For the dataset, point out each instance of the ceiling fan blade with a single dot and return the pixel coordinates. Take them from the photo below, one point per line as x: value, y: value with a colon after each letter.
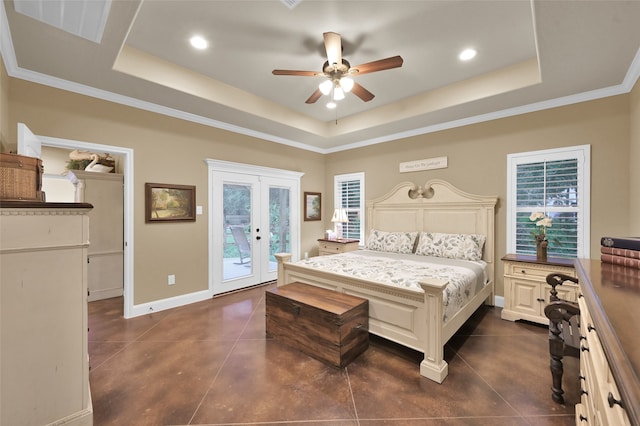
x: 333, y: 46
x: 294, y: 72
x: 379, y: 65
x: 314, y: 97
x: 362, y: 93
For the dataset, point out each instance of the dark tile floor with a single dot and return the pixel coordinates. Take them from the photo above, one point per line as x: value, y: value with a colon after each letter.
x: 210, y: 363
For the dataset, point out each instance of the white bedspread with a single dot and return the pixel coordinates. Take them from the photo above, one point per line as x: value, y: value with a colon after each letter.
x: 405, y: 270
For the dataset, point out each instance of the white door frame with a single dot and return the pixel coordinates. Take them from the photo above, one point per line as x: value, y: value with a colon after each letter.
x: 127, y: 167
x: 215, y: 215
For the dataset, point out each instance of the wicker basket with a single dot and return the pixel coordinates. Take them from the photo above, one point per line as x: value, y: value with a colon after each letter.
x: 20, y: 177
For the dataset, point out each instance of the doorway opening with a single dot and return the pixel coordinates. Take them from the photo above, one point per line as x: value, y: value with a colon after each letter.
x: 127, y: 170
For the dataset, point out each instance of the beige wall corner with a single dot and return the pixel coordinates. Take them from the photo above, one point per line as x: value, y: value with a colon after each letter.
x: 634, y: 162
x: 4, y: 107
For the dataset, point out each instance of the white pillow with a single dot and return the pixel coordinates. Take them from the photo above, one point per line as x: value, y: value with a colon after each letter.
x: 395, y: 242
x: 452, y: 246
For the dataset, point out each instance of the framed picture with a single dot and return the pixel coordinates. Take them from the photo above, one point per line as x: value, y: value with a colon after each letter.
x: 169, y: 203
x: 312, y: 206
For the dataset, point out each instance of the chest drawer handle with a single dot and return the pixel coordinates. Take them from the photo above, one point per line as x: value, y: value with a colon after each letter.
x: 523, y: 271
x: 583, y: 418
x: 590, y: 328
x: 540, y: 299
x: 584, y: 349
x: 612, y: 401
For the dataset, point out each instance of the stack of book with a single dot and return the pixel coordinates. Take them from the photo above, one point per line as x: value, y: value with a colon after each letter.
x: 621, y: 251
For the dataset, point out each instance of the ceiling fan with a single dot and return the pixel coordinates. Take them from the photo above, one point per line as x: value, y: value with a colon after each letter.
x: 338, y: 72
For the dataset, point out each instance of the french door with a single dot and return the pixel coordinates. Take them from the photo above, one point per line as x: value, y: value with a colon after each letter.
x: 254, y: 214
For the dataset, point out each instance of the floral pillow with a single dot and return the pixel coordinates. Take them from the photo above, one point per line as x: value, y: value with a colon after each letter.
x: 453, y: 246
x: 395, y: 242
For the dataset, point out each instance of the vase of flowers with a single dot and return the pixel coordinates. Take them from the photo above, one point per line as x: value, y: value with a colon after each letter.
x: 540, y: 233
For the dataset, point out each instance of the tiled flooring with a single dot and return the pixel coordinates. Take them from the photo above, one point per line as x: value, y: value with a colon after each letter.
x: 210, y: 363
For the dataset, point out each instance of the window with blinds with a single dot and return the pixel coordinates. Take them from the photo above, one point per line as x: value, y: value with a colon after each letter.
x: 349, y: 195
x: 551, y: 182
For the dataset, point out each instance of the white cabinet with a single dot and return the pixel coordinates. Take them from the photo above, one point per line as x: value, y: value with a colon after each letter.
x: 106, y: 252
x: 526, y: 291
x: 43, y: 279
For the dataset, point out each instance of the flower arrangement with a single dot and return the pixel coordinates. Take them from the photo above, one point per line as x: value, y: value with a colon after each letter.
x: 543, y: 222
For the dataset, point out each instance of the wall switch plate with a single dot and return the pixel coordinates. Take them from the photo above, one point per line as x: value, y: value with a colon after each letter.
x: 198, y: 209
x: 171, y: 279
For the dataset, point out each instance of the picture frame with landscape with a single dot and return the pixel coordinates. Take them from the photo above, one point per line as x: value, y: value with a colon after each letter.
x: 169, y: 203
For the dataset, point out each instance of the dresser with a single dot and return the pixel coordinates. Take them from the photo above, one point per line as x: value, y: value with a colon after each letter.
x: 343, y: 245
x: 43, y: 279
x: 526, y: 291
x: 609, y: 302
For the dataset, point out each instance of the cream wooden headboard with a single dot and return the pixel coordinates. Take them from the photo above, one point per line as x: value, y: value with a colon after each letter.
x: 437, y: 206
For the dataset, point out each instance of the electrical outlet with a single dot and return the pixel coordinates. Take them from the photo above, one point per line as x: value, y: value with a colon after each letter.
x: 171, y: 279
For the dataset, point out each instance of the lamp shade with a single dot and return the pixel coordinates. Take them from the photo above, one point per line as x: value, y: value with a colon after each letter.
x: 340, y: 216
x: 325, y: 87
x: 346, y: 83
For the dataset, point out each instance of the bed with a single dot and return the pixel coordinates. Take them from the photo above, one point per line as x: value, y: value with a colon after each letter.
x: 414, y: 312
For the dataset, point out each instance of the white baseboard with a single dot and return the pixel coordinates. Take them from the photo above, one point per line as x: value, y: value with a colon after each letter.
x: 172, y: 302
x: 498, y: 301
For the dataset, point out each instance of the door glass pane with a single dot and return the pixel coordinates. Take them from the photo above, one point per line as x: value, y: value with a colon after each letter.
x: 279, y: 224
x: 237, y: 230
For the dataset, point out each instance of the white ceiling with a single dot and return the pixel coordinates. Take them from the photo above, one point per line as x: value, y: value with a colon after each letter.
x: 531, y: 55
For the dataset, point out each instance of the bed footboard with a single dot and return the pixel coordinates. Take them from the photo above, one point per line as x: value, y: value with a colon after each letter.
x: 408, y: 317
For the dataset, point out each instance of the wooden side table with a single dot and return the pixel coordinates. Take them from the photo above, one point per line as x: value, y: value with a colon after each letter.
x: 526, y: 291
x: 342, y: 245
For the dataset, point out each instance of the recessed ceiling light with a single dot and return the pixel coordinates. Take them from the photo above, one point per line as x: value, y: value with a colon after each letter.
x: 199, y: 42
x: 467, y: 54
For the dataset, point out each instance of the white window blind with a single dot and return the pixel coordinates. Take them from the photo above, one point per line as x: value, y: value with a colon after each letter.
x: 556, y: 183
x: 349, y: 195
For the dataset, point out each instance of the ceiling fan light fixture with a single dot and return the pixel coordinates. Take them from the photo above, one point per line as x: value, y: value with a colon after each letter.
x: 338, y: 94
x: 346, y: 83
x: 331, y: 105
x: 325, y: 87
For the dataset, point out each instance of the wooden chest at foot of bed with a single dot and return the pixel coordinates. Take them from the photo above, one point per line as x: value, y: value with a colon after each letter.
x: 324, y: 324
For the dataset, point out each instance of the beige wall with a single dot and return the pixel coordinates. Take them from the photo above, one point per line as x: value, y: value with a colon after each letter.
x: 477, y: 160
x: 166, y: 150
x: 4, y: 107
x: 634, y: 162
x: 171, y: 150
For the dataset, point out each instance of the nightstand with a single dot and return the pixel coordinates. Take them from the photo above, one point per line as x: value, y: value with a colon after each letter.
x: 526, y: 291
x: 342, y: 245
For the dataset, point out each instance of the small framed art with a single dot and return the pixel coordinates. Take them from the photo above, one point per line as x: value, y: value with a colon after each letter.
x: 169, y: 203
x: 312, y: 206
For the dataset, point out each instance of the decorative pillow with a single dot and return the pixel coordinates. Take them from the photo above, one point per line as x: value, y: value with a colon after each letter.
x: 396, y: 242
x: 453, y: 246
